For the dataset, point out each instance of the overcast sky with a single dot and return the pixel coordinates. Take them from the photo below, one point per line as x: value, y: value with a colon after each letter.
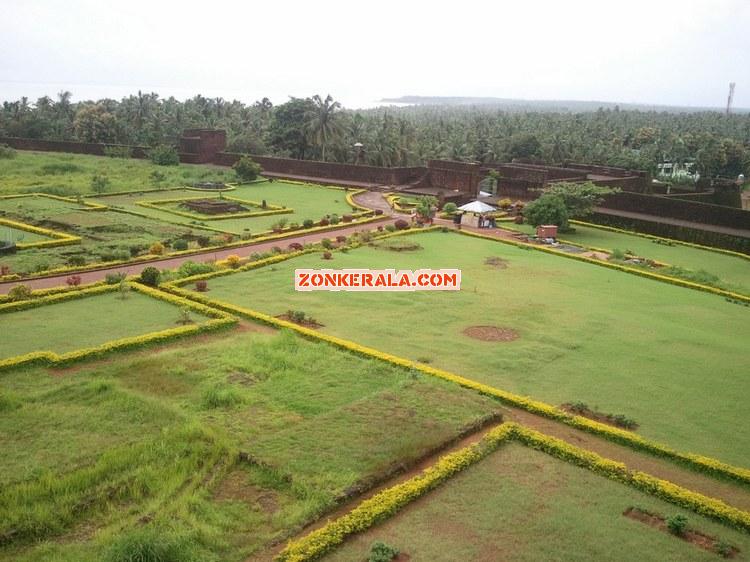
x: 674, y: 52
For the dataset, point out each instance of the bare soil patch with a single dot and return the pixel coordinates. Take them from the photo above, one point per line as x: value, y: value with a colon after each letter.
x: 235, y: 487
x: 696, y: 538
x: 491, y: 333
x: 496, y: 262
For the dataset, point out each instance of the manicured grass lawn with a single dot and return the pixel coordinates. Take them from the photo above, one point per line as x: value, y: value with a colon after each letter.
x: 105, y: 235
x: 68, y: 174
x: 733, y: 271
x: 308, y: 202
x: 85, y: 322
x: 672, y: 359
x: 520, y: 504
x: 150, y: 441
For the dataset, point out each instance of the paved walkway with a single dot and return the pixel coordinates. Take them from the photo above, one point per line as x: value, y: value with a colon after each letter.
x: 174, y: 262
x: 374, y: 200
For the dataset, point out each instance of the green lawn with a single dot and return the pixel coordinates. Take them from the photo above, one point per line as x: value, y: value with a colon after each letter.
x: 673, y: 359
x: 85, y: 322
x: 308, y: 202
x: 520, y: 504
x: 734, y: 272
x: 151, y: 440
x: 105, y: 235
x: 69, y: 174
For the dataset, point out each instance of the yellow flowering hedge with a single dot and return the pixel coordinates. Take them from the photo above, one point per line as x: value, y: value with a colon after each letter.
x: 58, y: 238
x: 391, y: 500
x: 218, y: 320
x: 156, y: 204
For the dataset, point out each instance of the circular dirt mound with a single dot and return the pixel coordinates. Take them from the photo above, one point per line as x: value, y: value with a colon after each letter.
x: 491, y: 333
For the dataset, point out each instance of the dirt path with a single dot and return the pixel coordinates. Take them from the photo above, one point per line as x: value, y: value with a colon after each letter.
x: 174, y: 262
x: 373, y: 200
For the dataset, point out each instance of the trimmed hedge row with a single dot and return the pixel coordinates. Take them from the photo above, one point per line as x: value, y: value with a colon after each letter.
x: 60, y: 238
x: 218, y: 320
x: 626, y: 269
x: 271, y: 209
x: 37, y: 293
x: 389, y: 501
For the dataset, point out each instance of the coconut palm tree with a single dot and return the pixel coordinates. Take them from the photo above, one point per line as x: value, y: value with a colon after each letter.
x: 322, y: 123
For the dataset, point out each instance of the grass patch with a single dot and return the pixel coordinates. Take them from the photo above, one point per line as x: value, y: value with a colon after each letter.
x: 520, y: 504
x: 668, y: 356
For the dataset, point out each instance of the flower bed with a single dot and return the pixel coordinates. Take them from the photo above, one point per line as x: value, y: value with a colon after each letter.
x: 159, y: 205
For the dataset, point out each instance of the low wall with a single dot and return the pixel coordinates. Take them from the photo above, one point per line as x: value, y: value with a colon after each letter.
x: 93, y: 148
x: 680, y: 209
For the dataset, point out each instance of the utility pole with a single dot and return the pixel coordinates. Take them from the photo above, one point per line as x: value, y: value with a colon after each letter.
x: 730, y: 98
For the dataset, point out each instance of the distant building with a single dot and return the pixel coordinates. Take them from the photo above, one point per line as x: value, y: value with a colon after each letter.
x: 678, y: 170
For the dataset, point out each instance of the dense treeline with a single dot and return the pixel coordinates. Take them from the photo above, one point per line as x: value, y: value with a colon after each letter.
x: 318, y: 128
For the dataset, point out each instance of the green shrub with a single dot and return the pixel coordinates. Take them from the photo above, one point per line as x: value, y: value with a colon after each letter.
x: 382, y: 552
x: 246, y: 169
x: 308, y: 223
x: 99, y: 183
x: 677, y: 524
x: 617, y: 254
x: 6, y: 152
x: 164, y: 155
x: 450, y: 208
x: 77, y: 260
x: 180, y: 244
x: 326, y: 243
x: 157, y: 177
x: 548, y: 209
x: 118, y: 151
x: 390, y: 228
x: 279, y: 225
x: 220, y: 397
x: 114, y: 278
x: 150, y: 545
x: 150, y: 276
x: 334, y: 219
x: 19, y: 293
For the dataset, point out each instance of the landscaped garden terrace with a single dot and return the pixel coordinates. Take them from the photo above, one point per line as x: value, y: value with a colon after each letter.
x: 665, y: 358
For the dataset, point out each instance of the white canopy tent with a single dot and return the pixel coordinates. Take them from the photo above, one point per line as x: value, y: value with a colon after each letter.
x: 473, y: 214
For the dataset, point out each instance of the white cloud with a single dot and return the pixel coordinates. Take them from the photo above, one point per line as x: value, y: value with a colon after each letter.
x: 667, y: 52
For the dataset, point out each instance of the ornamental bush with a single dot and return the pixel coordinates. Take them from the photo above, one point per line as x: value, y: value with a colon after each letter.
x: 180, y: 244
x: 308, y: 223
x: 382, y: 552
x: 156, y: 249
x: 335, y: 219
x: 190, y: 268
x: 150, y: 276
x: 401, y: 224
x: 114, y: 278
x: 340, y: 238
x: 233, y: 261
x: 327, y: 256
x: 19, y: 293
x: 326, y: 243
x: 324, y: 222
x: 295, y: 247
x: 677, y: 524
x: 164, y: 155
x: 201, y: 286
x: 548, y: 209
x: 246, y: 169
x: 450, y: 208
x: 347, y: 218
x: 73, y: 280
x: 77, y: 261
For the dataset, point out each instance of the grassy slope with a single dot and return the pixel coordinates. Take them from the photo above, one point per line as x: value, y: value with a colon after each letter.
x: 520, y: 504
x: 671, y: 358
x: 86, y: 322
x: 17, y: 235
x: 30, y: 172
x: 342, y: 418
x: 308, y: 202
x: 735, y: 272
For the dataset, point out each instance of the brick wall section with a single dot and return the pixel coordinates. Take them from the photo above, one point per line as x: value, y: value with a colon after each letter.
x: 96, y: 149
x: 329, y: 170
x: 678, y: 209
x: 463, y: 176
x: 200, y: 146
